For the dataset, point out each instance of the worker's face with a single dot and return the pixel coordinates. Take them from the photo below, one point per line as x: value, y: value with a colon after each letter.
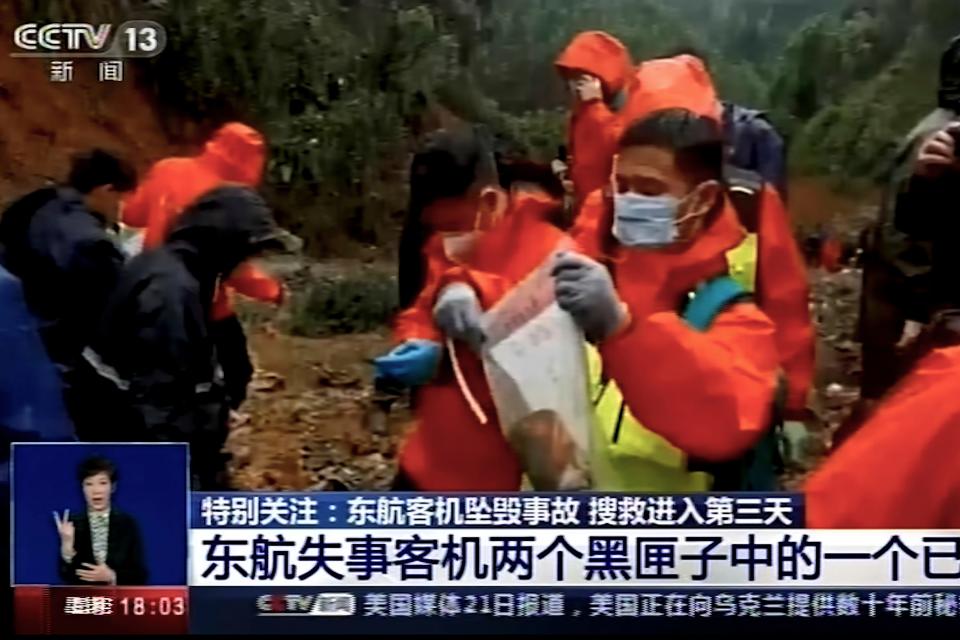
x: 97, y: 490
x: 652, y: 171
x: 105, y: 200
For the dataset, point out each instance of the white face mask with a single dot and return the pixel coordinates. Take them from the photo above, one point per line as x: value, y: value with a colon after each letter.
x: 648, y: 222
x: 458, y: 245
x: 645, y: 221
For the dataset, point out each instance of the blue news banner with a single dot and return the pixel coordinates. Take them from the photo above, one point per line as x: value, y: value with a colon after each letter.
x: 552, y: 563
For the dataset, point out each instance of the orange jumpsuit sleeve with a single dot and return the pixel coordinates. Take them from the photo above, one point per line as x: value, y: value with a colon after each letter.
x: 784, y: 295
x: 416, y: 321
x: 250, y: 281
x: 708, y: 393
x: 594, y: 132
x: 136, y: 206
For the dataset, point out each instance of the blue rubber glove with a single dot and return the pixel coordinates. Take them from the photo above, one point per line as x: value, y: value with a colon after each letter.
x: 412, y: 363
x: 457, y: 313
x: 585, y: 290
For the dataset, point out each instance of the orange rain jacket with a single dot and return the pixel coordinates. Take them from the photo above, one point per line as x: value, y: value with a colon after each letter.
x: 450, y: 449
x: 900, y: 470
x: 594, y: 128
x: 708, y: 393
x: 782, y: 290
x: 235, y: 153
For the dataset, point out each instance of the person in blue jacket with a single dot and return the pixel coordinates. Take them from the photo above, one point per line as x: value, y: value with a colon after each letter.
x: 56, y: 241
x: 31, y: 404
x: 752, y: 142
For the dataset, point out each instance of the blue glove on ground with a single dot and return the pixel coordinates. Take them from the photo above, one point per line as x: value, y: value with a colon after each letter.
x: 458, y: 313
x: 585, y: 290
x: 412, y: 363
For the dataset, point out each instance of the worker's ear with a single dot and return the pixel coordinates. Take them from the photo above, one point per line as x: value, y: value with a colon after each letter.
x: 703, y: 198
x: 493, y: 204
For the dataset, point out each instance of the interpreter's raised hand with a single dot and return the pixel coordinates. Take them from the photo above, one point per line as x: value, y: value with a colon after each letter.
x: 99, y: 572
x: 66, y: 530
x: 939, y: 151
x: 585, y: 290
x: 458, y: 314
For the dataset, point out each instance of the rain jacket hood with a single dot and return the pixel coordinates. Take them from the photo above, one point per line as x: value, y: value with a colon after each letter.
x: 223, y: 229
x: 237, y: 153
x: 601, y: 55
x: 681, y: 82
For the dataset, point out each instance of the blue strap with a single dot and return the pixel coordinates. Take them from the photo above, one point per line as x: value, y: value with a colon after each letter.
x: 710, y: 299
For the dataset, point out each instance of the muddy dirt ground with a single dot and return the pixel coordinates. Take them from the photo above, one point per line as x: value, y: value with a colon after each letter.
x: 303, y: 426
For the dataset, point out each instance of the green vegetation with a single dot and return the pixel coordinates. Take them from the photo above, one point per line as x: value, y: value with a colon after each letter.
x: 850, y: 86
x: 344, y: 89
x: 349, y: 304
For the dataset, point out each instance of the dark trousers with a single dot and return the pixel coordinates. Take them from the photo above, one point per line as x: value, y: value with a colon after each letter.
x: 403, y: 482
x: 234, y: 358
x: 880, y: 327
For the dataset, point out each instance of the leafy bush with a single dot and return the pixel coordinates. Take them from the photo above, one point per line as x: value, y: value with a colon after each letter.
x: 854, y: 140
x: 351, y: 304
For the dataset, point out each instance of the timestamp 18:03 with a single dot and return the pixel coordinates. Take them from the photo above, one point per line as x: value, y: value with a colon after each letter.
x: 162, y: 606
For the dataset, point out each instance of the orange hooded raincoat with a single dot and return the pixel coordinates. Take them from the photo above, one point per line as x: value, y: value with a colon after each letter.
x: 899, y: 471
x: 594, y: 128
x: 235, y: 153
x: 782, y: 290
x: 450, y: 449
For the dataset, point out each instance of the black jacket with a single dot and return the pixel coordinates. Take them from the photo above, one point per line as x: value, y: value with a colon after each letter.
x: 912, y: 246
x: 124, y: 550
x: 152, y: 368
x: 68, y: 265
x: 927, y: 210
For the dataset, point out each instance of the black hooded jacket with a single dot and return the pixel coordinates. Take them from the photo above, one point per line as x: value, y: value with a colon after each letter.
x: 68, y: 265
x: 153, y: 361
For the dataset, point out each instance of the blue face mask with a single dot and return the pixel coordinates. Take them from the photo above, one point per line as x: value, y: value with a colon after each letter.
x: 645, y: 221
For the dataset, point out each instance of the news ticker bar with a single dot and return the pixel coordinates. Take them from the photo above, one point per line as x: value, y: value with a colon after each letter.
x: 526, y: 558
x: 172, y: 610
x: 335, y: 510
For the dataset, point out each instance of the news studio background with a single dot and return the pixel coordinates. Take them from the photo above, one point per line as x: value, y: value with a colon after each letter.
x: 359, y: 390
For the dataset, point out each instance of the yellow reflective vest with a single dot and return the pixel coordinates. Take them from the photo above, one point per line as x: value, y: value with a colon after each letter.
x: 625, y: 456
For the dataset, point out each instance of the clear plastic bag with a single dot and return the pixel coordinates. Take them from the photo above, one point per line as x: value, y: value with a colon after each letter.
x: 536, y: 367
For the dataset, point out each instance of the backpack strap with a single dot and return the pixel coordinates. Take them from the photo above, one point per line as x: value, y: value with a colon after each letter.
x: 712, y: 297
x: 756, y: 470
x: 744, y: 189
